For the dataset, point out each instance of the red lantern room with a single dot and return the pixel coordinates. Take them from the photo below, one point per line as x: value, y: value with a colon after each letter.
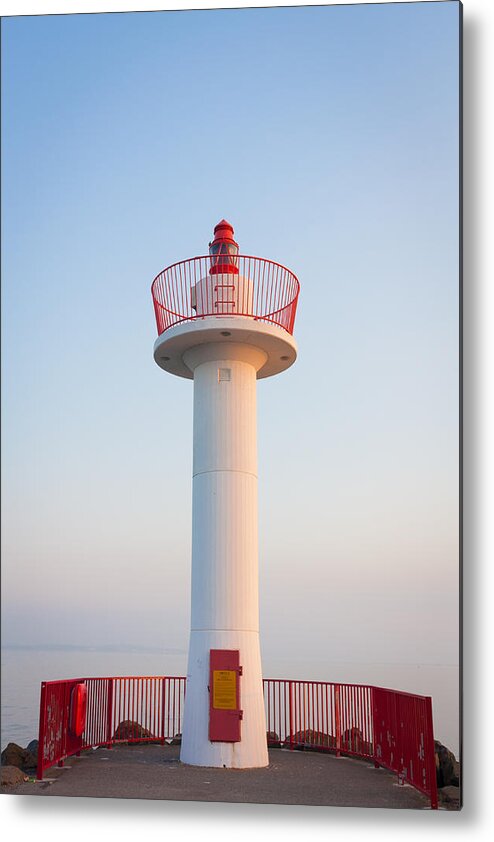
x: 223, y: 250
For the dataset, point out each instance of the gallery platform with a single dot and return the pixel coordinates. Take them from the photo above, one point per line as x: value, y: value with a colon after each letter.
x: 148, y: 771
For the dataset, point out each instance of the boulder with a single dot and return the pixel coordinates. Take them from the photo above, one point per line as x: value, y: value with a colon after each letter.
x: 450, y: 797
x: 132, y: 731
x: 310, y: 739
x: 11, y: 776
x: 353, y: 740
x: 14, y: 755
x: 33, y: 747
x: 273, y: 739
x: 456, y: 773
x: 447, y: 766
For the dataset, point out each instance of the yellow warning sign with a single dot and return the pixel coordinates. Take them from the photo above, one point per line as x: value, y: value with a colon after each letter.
x: 224, y: 689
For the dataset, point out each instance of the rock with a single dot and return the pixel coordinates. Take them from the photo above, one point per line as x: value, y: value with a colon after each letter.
x: 12, y: 776
x: 447, y: 766
x: 132, y: 731
x: 353, y: 740
x: 14, y: 755
x: 450, y: 796
x: 273, y: 739
x: 33, y: 747
x: 310, y: 739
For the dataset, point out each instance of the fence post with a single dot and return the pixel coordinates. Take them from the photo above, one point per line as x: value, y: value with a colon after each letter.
x: 374, y: 729
x: 163, y: 709
x: 337, y: 719
x: 431, y: 757
x: 291, y: 714
x: 65, y: 723
x: 41, y: 732
x: 109, y: 714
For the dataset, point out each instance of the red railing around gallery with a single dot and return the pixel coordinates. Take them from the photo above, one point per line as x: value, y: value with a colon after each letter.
x: 390, y: 728
x: 259, y: 289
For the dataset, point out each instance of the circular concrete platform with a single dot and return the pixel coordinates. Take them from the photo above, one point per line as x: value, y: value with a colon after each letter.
x: 292, y: 777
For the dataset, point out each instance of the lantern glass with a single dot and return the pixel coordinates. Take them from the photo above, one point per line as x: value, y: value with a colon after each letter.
x: 224, y: 253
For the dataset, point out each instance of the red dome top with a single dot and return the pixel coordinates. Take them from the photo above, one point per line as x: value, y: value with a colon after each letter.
x: 223, y: 232
x: 223, y: 224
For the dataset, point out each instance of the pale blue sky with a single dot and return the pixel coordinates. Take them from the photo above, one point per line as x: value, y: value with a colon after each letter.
x: 329, y: 138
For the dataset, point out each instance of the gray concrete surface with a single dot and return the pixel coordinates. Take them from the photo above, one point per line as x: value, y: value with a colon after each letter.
x: 292, y: 777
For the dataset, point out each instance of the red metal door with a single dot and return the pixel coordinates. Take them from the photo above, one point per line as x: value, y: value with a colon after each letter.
x: 224, y: 695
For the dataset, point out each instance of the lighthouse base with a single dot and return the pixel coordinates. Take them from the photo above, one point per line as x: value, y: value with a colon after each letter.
x: 197, y: 749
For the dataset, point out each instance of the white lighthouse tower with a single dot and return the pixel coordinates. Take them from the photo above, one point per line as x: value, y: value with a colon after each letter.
x: 225, y: 320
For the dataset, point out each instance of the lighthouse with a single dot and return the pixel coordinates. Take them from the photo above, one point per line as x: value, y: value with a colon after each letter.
x: 224, y: 321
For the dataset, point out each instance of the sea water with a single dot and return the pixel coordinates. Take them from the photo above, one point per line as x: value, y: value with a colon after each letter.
x: 23, y: 670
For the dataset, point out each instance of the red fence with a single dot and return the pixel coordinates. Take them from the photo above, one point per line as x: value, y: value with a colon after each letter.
x: 258, y: 288
x: 127, y: 709
x: 391, y: 728
x: 320, y: 715
x: 404, y: 738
